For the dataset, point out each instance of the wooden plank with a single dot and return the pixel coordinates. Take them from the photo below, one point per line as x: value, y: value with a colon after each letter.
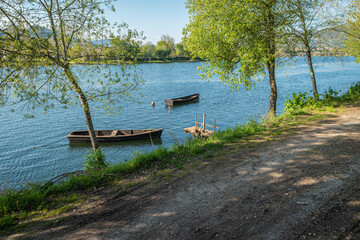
x: 211, y: 126
x: 114, y: 133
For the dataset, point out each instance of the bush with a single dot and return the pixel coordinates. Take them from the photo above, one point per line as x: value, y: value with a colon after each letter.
x: 299, y: 101
x: 352, y: 93
x: 329, y: 98
x: 95, y: 160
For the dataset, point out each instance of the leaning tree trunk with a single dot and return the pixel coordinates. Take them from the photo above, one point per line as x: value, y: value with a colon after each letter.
x: 85, y: 106
x: 312, y: 73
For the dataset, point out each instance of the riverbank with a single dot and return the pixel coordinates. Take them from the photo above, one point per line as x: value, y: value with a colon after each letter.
x: 202, y: 168
x: 121, y: 62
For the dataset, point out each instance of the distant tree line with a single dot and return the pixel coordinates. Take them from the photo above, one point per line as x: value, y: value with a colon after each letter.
x: 165, y: 49
x: 122, y: 48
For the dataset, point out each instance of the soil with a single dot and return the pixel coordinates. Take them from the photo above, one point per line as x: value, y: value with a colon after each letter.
x: 303, y: 185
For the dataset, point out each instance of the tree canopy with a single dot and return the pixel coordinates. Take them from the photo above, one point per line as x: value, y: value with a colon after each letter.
x: 238, y: 40
x: 37, y: 38
x: 162, y: 50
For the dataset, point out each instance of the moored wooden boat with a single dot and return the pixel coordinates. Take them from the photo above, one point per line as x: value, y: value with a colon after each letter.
x: 115, y: 135
x: 182, y: 100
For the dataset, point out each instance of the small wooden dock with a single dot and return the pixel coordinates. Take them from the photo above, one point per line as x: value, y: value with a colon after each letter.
x: 201, y: 130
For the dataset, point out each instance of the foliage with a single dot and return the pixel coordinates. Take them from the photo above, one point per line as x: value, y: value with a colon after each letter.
x: 330, y: 98
x: 169, y: 42
x: 165, y: 47
x: 210, y: 36
x: 94, y: 160
x: 124, y: 45
x: 299, y: 101
x: 148, y: 51
x: 238, y: 40
x: 162, y: 50
x: 352, y: 30
x: 33, y: 73
x: 37, y: 38
x: 181, y: 50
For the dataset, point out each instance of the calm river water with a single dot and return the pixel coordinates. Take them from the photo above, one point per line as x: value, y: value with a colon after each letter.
x: 37, y: 149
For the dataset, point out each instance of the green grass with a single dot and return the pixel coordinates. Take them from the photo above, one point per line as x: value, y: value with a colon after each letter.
x: 57, y: 198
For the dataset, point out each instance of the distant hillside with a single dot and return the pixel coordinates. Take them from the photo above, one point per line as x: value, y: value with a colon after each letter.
x: 104, y: 42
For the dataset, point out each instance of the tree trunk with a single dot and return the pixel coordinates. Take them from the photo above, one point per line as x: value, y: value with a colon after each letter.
x: 270, y: 63
x: 85, y: 106
x: 312, y: 73
x: 273, y: 88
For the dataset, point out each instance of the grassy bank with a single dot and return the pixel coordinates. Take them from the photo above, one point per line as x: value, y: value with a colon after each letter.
x: 39, y: 200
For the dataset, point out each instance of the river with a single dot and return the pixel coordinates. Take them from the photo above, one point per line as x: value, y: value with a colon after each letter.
x: 36, y: 149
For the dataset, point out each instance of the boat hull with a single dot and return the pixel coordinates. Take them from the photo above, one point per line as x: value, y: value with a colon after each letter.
x: 115, y: 135
x: 182, y: 100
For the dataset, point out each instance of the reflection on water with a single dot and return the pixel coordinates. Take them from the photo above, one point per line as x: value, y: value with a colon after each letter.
x: 180, y: 105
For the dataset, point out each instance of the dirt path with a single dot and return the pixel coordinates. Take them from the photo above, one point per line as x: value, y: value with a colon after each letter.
x: 306, y: 186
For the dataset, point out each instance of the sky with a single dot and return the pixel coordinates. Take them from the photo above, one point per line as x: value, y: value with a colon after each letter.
x: 154, y: 17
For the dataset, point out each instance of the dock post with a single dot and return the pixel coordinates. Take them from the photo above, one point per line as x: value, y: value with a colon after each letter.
x: 196, y: 123
x: 201, y: 131
x: 204, y: 122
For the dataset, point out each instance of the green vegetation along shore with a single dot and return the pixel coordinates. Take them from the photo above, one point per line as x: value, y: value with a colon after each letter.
x: 57, y: 197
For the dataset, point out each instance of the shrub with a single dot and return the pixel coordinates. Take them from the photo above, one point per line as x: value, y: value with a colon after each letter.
x: 299, y: 101
x: 329, y: 98
x: 95, y: 160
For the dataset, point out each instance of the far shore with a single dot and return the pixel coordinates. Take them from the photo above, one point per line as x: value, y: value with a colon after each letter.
x: 184, y: 60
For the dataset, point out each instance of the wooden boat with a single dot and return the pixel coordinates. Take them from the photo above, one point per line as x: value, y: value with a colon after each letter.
x: 182, y: 100
x: 115, y: 135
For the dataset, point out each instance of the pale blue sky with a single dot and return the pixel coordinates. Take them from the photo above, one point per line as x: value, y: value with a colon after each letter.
x: 154, y: 17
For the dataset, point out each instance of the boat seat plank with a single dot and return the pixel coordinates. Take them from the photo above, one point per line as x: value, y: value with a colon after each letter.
x: 114, y: 132
x: 127, y: 133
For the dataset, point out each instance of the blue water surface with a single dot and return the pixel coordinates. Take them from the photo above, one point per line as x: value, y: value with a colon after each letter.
x: 35, y: 150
